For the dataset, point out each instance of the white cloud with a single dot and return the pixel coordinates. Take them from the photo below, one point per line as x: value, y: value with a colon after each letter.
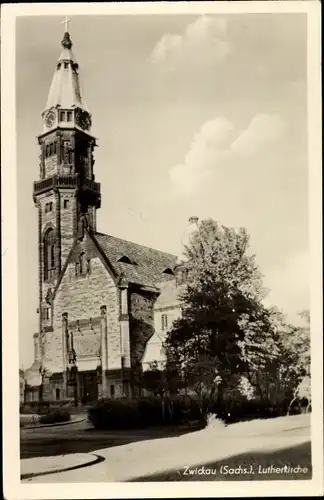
x: 202, y: 41
x: 262, y: 130
x: 289, y: 284
x: 216, y: 143
x: 208, y: 147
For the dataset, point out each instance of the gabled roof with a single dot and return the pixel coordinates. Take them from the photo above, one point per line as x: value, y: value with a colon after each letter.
x: 150, y: 263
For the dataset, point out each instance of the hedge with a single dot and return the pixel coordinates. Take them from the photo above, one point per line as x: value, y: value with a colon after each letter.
x: 151, y: 411
x: 144, y: 412
x: 54, y: 417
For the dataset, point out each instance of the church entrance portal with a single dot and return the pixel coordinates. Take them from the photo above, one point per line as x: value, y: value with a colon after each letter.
x: 88, y: 387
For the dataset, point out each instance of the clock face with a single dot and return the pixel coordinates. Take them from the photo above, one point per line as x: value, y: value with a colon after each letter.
x: 83, y: 119
x: 50, y: 119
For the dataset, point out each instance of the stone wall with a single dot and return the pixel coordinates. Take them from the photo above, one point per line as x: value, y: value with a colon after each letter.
x: 81, y: 296
x: 50, y: 166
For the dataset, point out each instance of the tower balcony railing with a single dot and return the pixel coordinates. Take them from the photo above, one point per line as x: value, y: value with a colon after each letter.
x: 65, y: 181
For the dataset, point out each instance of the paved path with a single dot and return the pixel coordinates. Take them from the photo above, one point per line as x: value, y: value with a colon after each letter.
x: 166, y: 458
x: 47, y: 465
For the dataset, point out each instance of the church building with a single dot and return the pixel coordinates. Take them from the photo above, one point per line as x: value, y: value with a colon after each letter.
x: 105, y: 304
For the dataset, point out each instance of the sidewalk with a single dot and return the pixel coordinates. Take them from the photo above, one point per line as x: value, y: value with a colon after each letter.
x: 42, y: 466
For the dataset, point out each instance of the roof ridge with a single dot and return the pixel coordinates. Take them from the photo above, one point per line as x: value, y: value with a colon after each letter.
x: 137, y: 244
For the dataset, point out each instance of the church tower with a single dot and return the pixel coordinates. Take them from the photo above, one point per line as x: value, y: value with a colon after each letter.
x: 66, y: 193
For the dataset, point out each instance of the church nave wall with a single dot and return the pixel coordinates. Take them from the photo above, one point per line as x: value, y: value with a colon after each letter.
x: 81, y: 297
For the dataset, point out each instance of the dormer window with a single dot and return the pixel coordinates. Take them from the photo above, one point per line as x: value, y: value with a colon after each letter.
x: 62, y: 116
x: 168, y: 271
x: 69, y: 116
x: 126, y: 260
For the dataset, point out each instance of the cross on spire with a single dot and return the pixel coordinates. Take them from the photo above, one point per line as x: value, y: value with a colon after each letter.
x: 66, y: 21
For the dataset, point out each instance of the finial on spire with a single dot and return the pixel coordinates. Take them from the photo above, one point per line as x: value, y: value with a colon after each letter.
x: 66, y: 21
x: 66, y: 42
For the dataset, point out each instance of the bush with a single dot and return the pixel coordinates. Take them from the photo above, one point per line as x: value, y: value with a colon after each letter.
x: 144, y: 412
x: 54, y: 417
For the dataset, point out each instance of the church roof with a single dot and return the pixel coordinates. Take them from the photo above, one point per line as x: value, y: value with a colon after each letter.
x: 147, y: 264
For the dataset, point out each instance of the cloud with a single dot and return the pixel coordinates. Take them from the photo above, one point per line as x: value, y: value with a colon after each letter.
x: 263, y: 129
x: 208, y: 147
x: 289, y: 284
x: 202, y: 41
x: 217, y: 143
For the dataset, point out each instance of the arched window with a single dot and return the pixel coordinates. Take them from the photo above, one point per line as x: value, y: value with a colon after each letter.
x: 49, y: 254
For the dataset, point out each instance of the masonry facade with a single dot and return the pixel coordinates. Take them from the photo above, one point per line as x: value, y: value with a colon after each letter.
x: 105, y: 304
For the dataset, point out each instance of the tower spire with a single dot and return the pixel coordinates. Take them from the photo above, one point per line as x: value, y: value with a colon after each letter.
x: 65, y: 106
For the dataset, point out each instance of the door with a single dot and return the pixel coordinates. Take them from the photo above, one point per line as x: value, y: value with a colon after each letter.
x: 89, y: 387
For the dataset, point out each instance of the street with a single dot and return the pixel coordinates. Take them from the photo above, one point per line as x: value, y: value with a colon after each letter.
x: 81, y: 438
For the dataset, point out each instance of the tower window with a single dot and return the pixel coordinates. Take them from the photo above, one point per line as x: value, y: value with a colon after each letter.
x: 66, y: 65
x: 69, y: 116
x: 50, y: 149
x: 164, y: 321
x: 66, y: 203
x: 49, y: 254
x: 112, y: 390
x: 62, y: 116
x: 88, y: 266
x: 59, y: 65
x: 48, y: 207
x: 46, y: 313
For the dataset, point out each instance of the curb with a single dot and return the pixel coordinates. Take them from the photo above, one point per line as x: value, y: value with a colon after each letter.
x: 70, y: 422
x: 95, y: 459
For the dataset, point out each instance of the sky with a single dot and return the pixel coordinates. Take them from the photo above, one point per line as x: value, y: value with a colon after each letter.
x: 194, y: 115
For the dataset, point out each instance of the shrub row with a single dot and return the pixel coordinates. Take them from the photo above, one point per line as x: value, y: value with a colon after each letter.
x: 144, y: 412
x: 54, y: 417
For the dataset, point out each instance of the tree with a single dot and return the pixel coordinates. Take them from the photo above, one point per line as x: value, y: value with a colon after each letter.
x: 154, y: 380
x: 296, y: 348
x: 224, y: 328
